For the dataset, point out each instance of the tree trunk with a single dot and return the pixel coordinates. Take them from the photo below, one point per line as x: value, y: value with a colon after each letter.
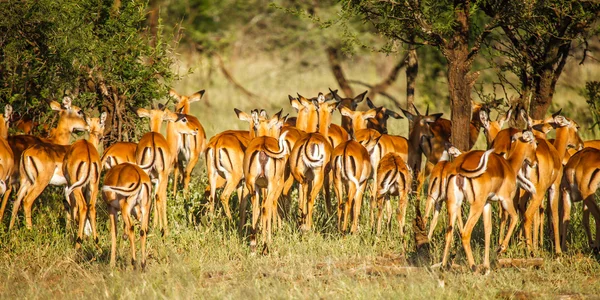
x: 545, y: 81
x: 459, y: 87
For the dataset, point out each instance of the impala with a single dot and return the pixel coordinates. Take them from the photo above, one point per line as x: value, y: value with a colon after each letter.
x: 310, y: 158
x: 41, y: 163
x: 394, y: 179
x: 155, y: 155
x: 481, y: 177
x: 126, y: 187
x: 437, y: 188
x: 189, y: 147
x: 379, y: 122
x: 81, y: 168
x: 264, y: 165
x: 6, y: 154
x: 351, y: 170
x: 118, y: 153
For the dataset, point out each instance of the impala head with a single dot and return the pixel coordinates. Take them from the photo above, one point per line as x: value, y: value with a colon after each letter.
x: 565, y: 127
x: 324, y: 112
x: 421, y: 123
x: 260, y: 124
x: 183, y: 102
x: 5, y: 120
x: 379, y: 122
x: 97, y: 125
x: 307, y: 119
x: 71, y: 117
x: 359, y: 118
x: 492, y: 128
x: 351, y: 103
x: 523, y: 143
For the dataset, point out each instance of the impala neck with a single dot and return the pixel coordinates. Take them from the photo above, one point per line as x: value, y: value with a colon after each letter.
x: 3, y: 128
x: 183, y: 107
x: 561, y: 140
x: 155, y: 124
x: 516, y: 160
x: 94, y: 139
x: 172, y: 137
x: 492, y: 132
x: 62, y: 132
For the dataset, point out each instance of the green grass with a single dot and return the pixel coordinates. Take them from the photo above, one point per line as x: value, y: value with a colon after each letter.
x: 206, y: 258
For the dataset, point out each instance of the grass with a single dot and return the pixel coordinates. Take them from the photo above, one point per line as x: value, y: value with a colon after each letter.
x: 206, y: 258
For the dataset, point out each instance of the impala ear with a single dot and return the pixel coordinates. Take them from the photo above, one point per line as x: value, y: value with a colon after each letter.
x: 346, y: 112
x: 360, y: 97
x: 371, y: 113
x: 171, y: 116
x: 393, y: 114
x: 370, y: 103
x: 433, y: 117
x: 175, y: 95
x: 242, y: 115
x: 335, y: 95
x: 66, y: 103
x: 556, y: 114
x: 295, y: 103
x: 483, y: 117
x: 8, y: 110
x: 263, y: 114
x: 143, y: 113
x: 408, y: 115
x: 196, y: 96
x: 103, y: 119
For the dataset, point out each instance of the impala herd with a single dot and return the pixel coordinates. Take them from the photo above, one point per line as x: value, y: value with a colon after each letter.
x: 262, y: 163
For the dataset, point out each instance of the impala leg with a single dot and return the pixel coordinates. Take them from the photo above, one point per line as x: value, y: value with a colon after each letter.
x: 175, y: 178
x: 243, y: 193
x: 33, y: 194
x: 112, y: 214
x: 595, y: 211
x: 380, y: 200
x: 126, y: 213
x: 453, y: 203
x: 5, y: 199
x: 503, y: 218
x: 532, y: 210
x: 434, y: 219
x: 357, y: 204
x: 401, y: 213
x: 388, y: 208
x: 339, y: 192
x: 373, y: 200
x: 349, y: 204
x: 25, y: 185
x: 92, y: 210
x: 255, y: 216
x: 317, y: 184
x: 474, y: 214
x: 429, y: 205
x: 83, y: 210
x: 145, y: 209
x: 302, y: 203
x: 487, y: 224
x: 226, y: 195
x: 187, y: 175
x: 586, y: 223
x: 554, y: 200
x: 514, y: 218
x: 328, y: 179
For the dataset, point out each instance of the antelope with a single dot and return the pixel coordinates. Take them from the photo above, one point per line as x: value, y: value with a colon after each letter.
x: 351, y: 170
x: 6, y: 154
x: 350, y: 104
x: 309, y: 160
x: 430, y: 138
x: 81, y: 168
x: 155, y: 155
x: 480, y: 177
x: 41, y: 163
x: 224, y: 158
x: 394, y: 179
x: 379, y: 122
x: 264, y: 165
x: 118, y: 153
x: 580, y: 183
x: 127, y: 187
x: 492, y: 128
x: 189, y: 147
x: 437, y: 188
